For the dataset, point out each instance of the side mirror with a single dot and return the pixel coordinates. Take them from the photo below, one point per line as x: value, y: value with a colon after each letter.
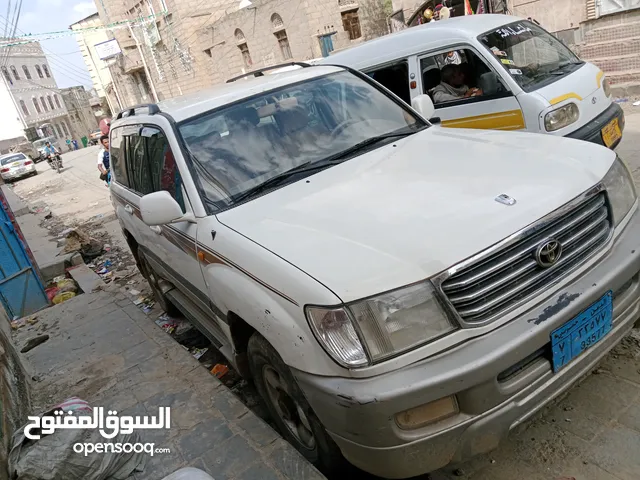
x: 489, y: 83
x: 423, y: 105
x: 160, y: 208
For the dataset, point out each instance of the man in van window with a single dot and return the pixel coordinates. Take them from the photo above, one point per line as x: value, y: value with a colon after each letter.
x: 452, y: 86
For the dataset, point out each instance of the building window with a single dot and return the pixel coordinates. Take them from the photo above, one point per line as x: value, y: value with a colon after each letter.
x: 244, y: 49
x: 23, y: 105
x: 50, y: 102
x: 39, y: 71
x: 5, y: 72
x: 55, y: 97
x: 283, y: 41
x: 14, y: 70
x: 57, y: 131
x: 44, y: 104
x: 64, y: 127
x: 351, y: 24
x: 26, y: 71
x: 276, y: 22
x: 37, y: 105
x: 45, y: 69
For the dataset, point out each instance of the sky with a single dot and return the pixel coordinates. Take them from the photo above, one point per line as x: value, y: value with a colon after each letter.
x: 39, y: 16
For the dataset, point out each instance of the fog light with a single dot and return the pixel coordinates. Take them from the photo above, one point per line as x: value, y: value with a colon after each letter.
x: 428, y: 413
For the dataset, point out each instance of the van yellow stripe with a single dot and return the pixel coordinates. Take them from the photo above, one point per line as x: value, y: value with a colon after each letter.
x: 599, y: 78
x: 564, y: 97
x: 509, y: 120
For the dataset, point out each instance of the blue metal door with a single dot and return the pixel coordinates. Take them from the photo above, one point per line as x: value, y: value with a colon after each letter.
x: 21, y: 289
x: 326, y: 44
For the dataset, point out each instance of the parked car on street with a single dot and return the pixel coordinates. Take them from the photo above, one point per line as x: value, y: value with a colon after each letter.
x: 14, y: 166
x: 401, y: 294
x: 511, y: 75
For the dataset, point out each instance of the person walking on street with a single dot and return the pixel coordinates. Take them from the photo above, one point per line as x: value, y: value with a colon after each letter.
x: 104, y: 163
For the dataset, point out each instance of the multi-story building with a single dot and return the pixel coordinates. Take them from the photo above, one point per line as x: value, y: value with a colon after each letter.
x: 78, y: 102
x: 192, y: 44
x: 89, y: 35
x: 28, y: 79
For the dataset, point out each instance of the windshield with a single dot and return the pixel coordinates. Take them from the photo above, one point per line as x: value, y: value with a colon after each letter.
x: 532, y: 56
x: 236, y: 149
x: 40, y: 144
x: 12, y: 158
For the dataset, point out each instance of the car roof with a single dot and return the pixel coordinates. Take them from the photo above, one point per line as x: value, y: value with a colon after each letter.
x: 187, y: 106
x: 415, y: 40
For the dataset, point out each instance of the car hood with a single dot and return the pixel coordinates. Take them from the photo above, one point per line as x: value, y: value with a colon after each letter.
x: 411, y: 209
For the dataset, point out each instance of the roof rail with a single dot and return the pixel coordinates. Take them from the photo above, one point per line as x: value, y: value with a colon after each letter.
x: 260, y: 71
x: 131, y: 111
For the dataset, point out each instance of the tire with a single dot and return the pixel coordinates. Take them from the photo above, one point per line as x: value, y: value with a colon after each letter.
x: 289, y: 408
x: 154, y: 282
x: 58, y: 162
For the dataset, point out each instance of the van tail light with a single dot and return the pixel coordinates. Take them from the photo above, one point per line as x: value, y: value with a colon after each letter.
x: 4, y: 170
x: 28, y: 162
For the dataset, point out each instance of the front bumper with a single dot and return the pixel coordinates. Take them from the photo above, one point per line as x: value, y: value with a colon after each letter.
x: 592, y: 131
x: 359, y: 413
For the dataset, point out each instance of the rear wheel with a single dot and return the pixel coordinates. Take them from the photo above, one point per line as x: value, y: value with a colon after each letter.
x: 155, y: 282
x: 58, y: 164
x: 289, y: 408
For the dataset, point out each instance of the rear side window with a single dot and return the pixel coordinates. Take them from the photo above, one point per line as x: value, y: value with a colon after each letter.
x: 118, y: 162
x: 395, y: 77
x: 147, y: 164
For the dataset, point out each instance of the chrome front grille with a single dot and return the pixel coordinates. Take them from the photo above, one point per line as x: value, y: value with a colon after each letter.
x: 506, y: 278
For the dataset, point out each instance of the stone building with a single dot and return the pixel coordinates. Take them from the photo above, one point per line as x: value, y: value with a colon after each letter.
x: 78, y: 102
x: 98, y: 69
x: 29, y: 80
x: 192, y: 44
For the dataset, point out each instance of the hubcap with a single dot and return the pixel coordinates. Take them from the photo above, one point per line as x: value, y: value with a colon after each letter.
x: 288, y: 409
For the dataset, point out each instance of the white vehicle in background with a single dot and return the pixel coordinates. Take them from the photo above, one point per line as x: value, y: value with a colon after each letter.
x: 14, y: 166
x: 401, y: 294
x: 520, y: 77
x: 40, y: 145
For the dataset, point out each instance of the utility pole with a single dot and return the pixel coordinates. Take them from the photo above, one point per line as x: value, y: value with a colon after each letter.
x: 144, y: 63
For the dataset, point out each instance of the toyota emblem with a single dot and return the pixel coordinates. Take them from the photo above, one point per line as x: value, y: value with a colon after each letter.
x: 548, y: 253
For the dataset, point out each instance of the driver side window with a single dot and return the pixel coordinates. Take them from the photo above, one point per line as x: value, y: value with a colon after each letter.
x: 457, y: 77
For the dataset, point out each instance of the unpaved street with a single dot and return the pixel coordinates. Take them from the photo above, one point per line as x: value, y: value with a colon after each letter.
x: 591, y: 434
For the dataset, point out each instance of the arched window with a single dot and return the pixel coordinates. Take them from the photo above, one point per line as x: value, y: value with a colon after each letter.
x: 14, y: 70
x: 5, y: 72
x: 276, y: 22
x: 46, y: 71
x: 281, y: 36
x: 57, y: 130
x: 23, y: 105
x: 64, y: 127
x: 39, y: 71
x: 26, y: 71
x: 244, y: 49
x: 44, y: 104
x: 55, y: 97
x: 37, y: 105
x: 50, y: 102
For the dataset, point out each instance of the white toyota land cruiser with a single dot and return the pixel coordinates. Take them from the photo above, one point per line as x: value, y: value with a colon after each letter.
x: 400, y: 293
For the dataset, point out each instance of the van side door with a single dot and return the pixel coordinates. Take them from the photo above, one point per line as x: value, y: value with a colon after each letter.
x: 467, y: 92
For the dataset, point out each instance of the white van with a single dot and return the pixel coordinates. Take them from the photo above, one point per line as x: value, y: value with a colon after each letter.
x: 508, y: 74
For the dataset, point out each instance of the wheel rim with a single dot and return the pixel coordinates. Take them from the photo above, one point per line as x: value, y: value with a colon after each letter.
x: 287, y: 408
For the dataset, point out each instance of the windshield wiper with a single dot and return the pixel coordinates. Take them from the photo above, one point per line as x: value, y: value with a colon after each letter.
x: 319, y: 165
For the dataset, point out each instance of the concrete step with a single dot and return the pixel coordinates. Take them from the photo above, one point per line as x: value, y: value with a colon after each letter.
x: 610, y: 49
x: 624, y: 77
x: 613, y: 32
x: 618, y: 64
x: 625, y: 90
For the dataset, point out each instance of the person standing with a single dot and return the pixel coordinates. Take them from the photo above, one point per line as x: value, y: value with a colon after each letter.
x: 104, y: 161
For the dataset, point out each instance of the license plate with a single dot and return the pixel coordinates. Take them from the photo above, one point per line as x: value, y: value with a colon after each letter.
x: 611, y: 133
x: 582, y: 332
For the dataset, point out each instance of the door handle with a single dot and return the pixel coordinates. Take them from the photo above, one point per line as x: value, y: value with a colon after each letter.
x: 156, y: 229
x: 128, y: 209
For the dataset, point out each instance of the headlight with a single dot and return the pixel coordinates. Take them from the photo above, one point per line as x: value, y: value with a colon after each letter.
x: 561, y: 117
x: 620, y: 190
x: 386, y: 325
x: 606, y: 87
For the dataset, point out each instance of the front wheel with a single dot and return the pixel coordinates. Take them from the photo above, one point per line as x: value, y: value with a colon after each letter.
x: 289, y: 408
x: 58, y: 162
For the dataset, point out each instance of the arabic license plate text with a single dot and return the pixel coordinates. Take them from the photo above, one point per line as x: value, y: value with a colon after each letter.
x: 611, y: 132
x: 582, y: 332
